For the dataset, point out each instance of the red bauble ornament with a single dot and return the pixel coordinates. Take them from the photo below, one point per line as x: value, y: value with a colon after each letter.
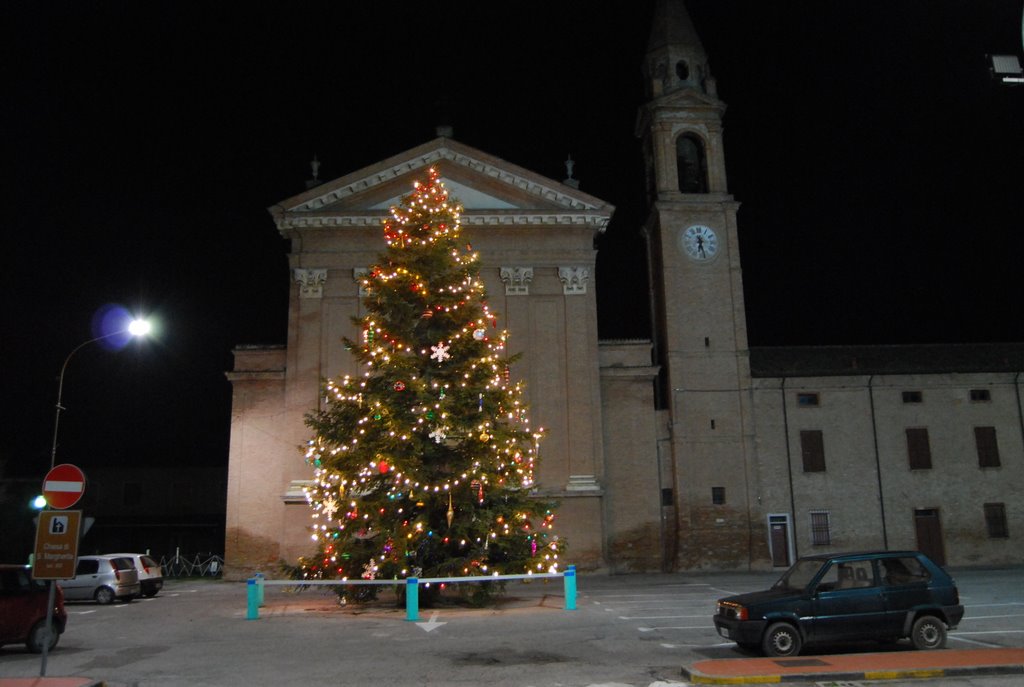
x: 383, y: 467
x: 399, y: 386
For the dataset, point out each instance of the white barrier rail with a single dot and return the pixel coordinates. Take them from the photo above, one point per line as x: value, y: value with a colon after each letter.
x: 255, y: 588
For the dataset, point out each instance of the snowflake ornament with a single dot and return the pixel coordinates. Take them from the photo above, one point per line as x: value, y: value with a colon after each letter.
x: 440, y: 352
x: 329, y: 507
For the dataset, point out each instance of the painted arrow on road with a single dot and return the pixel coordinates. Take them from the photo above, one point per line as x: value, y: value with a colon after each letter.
x: 431, y: 624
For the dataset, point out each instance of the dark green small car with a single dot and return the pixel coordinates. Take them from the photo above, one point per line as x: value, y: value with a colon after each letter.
x: 881, y: 595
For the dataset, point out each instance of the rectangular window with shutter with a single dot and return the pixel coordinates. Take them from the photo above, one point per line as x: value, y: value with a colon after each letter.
x: 988, y: 449
x: 812, y: 448
x: 919, y: 451
x: 995, y: 520
x: 807, y: 400
x: 980, y: 395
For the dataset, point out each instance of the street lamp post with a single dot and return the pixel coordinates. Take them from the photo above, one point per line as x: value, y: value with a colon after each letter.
x: 135, y: 328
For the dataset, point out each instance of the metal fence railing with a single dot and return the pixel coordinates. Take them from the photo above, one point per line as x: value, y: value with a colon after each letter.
x: 178, y: 565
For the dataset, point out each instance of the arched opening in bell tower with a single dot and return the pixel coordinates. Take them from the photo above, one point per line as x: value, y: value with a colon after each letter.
x: 691, y: 164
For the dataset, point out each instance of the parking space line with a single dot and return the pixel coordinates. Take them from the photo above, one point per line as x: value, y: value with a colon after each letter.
x: 972, y: 641
x: 988, y: 632
x: 659, y: 617
x: 988, y: 617
x: 626, y: 596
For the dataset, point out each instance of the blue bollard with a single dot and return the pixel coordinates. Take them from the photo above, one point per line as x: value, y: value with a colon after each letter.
x: 252, y: 611
x: 259, y: 585
x: 412, y: 599
x: 570, y: 588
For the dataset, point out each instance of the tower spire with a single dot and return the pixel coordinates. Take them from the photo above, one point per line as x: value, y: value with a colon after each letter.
x: 675, y: 54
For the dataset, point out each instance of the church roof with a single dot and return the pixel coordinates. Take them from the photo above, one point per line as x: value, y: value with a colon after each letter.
x: 828, y: 361
x: 492, y: 192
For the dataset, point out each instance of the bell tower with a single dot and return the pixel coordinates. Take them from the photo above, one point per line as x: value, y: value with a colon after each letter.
x: 707, y: 451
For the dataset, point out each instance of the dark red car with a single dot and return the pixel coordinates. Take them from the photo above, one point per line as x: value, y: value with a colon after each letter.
x: 23, y: 609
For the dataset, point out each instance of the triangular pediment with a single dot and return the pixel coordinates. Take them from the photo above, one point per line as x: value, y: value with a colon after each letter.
x: 686, y: 104
x: 490, y: 189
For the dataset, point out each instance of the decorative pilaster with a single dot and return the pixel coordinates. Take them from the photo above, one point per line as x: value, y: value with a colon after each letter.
x: 574, y: 280
x: 310, y: 281
x: 517, y: 280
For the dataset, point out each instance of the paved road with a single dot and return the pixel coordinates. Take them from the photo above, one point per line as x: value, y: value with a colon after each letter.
x: 628, y: 630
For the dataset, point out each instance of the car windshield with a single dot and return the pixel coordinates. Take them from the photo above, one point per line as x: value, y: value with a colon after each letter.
x: 799, y: 576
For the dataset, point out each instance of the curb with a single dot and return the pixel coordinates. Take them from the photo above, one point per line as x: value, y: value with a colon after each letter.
x: 49, y: 682
x: 697, y: 677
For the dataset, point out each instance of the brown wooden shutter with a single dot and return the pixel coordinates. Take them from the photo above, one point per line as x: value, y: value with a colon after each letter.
x: 918, y: 449
x: 812, y: 446
x: 995, y: 520
x: 988, y: 450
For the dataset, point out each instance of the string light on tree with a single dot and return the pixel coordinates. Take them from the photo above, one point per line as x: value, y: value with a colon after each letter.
x: 430, y: 447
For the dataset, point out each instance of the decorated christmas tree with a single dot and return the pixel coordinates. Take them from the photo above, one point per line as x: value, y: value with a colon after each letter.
x: 424, y: 462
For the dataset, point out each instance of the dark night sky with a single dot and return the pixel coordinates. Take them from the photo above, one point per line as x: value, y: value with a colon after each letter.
x: 879, y: 169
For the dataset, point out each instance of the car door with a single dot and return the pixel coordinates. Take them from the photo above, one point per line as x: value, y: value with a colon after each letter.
x: 905, y: 587
x: 848, y: 603
x: 82, y: 585
x: 16, y: 606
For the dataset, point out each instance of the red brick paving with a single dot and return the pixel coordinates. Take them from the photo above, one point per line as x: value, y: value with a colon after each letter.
x: 862, y: 666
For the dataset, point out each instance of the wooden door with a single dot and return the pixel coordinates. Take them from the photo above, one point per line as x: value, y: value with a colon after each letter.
x: 778, y: 530
x: 929, y: 534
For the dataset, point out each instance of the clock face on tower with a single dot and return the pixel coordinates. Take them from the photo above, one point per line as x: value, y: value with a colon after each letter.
x: 699, y: 242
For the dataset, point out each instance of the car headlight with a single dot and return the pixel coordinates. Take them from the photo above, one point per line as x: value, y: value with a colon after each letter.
x: 733, y: 610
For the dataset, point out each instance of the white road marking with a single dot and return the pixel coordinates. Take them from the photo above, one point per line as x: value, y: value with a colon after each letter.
x: 958, y: 633
x: 973, y: 641
x: 659, y: 617
x: 432, y: 624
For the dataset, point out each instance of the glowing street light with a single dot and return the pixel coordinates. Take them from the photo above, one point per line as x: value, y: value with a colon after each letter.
x: 139, y: 327
x: 136, y: 328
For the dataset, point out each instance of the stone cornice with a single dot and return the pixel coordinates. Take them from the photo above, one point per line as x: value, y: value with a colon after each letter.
x: 321, y: 220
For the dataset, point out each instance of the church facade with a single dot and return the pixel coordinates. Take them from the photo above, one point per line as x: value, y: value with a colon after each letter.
x: 685, y: 451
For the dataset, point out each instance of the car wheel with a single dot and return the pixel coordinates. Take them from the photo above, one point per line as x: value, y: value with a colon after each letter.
x: 928, y: 632
x: 781, y: 639
x: 34, y: 643
x: 150, y: 593
x: 104, y: 595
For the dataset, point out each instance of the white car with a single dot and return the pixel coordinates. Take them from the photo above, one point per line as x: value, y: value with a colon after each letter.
x: 151, y: 576
x: 103, y: 578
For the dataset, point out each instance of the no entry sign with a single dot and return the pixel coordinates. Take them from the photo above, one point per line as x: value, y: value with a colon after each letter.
x: 63, y: 486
